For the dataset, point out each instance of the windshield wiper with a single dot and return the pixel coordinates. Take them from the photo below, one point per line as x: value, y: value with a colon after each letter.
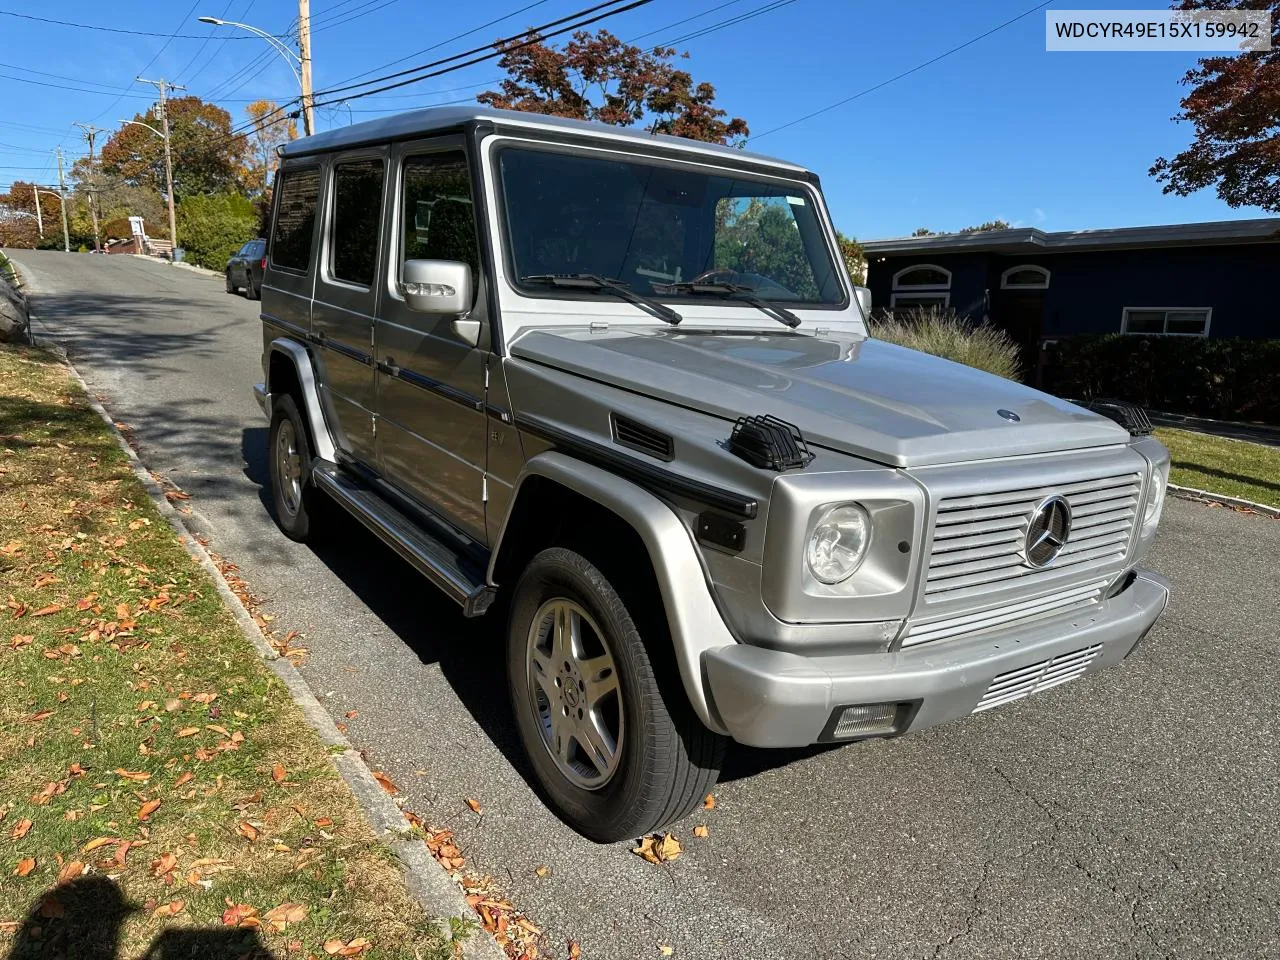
x: 736, y: 291
x: 593, y: 281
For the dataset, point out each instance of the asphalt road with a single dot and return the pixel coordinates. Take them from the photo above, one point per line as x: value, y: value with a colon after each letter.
x: 1132, y: 813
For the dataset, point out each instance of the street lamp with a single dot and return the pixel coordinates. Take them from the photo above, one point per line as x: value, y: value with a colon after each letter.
x: 66, y: 236
x: 303, y: 61
x: 168, y: 179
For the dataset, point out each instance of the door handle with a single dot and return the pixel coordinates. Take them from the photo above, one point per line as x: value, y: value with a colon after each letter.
x: 390, y: 367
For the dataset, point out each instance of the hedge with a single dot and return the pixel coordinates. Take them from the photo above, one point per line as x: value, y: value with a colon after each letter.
x: 213, y: 227
x: 1226, y: 379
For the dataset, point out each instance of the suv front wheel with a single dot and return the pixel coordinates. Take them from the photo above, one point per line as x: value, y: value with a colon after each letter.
x: 617, y: 753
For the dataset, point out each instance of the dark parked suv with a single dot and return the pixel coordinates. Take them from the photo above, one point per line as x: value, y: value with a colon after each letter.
x: 246, y: 267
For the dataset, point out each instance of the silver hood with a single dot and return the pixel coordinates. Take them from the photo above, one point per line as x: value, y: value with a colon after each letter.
x: 865, y: 397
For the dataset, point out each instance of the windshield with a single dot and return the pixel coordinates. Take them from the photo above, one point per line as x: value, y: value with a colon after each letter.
x: 653, y: 226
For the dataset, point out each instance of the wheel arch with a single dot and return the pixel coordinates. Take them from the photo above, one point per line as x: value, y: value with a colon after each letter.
x: 290, y: 370
x: 552, y: 483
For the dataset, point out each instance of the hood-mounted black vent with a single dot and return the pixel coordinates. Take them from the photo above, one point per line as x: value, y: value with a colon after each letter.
x: 1129, y: 415
x: 769, y: 443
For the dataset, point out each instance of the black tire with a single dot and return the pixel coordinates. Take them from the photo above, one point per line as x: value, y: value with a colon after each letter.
x: 251, y: 292
x: 295, y: 513
x: 668, y: 759
x: 231, y: 287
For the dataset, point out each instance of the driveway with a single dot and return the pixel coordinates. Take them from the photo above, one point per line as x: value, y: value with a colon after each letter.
x: 1132, y: 813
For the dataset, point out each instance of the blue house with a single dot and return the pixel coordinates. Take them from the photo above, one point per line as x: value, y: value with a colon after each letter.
x: 1188, y: 280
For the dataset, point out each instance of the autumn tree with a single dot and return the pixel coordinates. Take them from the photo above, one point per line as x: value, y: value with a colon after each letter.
x: 206, y: 157
x: 19, y: 226
x: 1233, y: 104
x: 598, y: 77
x: 272, y: 126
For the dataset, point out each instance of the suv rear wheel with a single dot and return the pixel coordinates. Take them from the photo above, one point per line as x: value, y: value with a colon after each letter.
x: 616, y: 754
x: 293, y: 495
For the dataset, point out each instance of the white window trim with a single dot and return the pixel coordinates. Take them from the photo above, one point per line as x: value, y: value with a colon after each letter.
x: 1207, y: 311
x: 912, y: 294
x: 922, y: 287
x: 1043, y: 285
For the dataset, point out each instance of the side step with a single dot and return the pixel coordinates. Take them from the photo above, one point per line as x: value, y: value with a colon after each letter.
x: 440, y: 563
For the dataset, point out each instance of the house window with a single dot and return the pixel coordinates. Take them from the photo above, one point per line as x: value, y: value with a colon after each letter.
x: 1026, y: 277
x: 920, y: 287
x: 1175, y: 321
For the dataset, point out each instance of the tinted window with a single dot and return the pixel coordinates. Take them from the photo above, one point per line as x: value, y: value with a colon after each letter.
x: 295, y: 219
x: 439, y: 217
x: 357, y: 218
x: 246, y: 250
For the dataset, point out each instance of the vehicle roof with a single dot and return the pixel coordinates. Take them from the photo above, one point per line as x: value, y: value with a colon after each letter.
x: 439, y: 119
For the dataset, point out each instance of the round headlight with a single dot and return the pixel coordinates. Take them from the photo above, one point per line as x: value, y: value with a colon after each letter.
x: 838, y: 543
x: 1155, y: 502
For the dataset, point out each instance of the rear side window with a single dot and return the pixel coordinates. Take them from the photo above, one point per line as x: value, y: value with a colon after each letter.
x: 439, y: 216
x: 357, y: 219
x: 295, y: 219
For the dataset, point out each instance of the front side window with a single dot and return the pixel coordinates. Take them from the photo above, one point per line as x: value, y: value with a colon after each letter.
x: 438, y: 219
x: 295, y: 219
x: 653, y: 226
x: 357, y: 220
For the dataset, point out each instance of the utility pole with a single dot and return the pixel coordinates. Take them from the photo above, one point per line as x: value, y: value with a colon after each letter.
x: 62, y: 195
x: 90, y: 132
x: 162, y: 85
x: 304, y: 51
x: 39, y: 216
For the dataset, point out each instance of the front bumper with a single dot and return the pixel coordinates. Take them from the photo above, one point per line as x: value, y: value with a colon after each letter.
x: 768, y: 698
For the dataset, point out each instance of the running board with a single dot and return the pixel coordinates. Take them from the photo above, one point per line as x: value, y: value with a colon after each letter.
x: 433, y: 558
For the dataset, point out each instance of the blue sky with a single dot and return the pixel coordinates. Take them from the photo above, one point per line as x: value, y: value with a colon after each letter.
x: 1001, y: 129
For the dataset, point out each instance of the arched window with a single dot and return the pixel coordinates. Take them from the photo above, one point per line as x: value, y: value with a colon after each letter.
x: 1026, y: 277
x: 922, y: 276
x: 921, y: 286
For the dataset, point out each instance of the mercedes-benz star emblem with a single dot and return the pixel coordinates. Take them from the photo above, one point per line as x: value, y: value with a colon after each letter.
x: 1009, y: 415
x: 1047, y: 531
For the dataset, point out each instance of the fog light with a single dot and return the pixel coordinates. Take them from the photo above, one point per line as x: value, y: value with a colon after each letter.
x: 866, y: 720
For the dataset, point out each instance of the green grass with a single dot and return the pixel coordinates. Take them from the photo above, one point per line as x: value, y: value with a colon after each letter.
x: 1231, y: 467
x: 117, y: 654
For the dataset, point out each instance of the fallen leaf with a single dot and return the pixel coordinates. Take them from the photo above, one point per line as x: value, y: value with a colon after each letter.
x: 20, y: 829
x: 164, y: 864
x: 709, y: 802
x: 474, y: 805
x: 285, y: 914
x: 171, y: 909
x: 148, y: 808
x: 20, y: 640
x: 138, y: 776
x: 575, y: 951
x: 248, y: 831
x: 665, y: 950
x: 336, y: 948
x: 45, y: 611
x: 543, y: 872
x: 700, y: 830
x: 323, y: 822
x: 386, y: 783
x: 71, y: 870
x: 25, y: 866
x: 658, y: 849
x: 187, y: 732
x: 93, y: 845
x: 42, y: 715
x: 278, y: 773
x: 239, y: 915
x: 352, y: 714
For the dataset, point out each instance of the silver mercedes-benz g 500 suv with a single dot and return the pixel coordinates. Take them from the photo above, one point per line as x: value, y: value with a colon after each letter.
x: 622, y: 384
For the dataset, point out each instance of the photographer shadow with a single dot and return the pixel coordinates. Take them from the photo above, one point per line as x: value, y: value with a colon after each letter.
x: 84, y: 918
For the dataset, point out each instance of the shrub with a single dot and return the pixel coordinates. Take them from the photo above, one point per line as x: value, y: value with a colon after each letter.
x: 1230, y: 379
x: 944, y: 333
x: 212, y: 227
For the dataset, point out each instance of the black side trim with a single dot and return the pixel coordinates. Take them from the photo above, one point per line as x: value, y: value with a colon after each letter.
x: 646, y: 475
x: 342, y: 348
x: 442, y: 389
x: 299, y: 332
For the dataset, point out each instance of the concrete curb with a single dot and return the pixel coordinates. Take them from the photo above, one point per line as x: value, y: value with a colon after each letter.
x: 177, y: 263
x: 1191, y: 493
x: 429, y: 883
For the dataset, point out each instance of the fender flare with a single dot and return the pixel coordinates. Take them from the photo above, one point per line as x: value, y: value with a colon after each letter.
x: 323, y: 444
x: 694, y: 622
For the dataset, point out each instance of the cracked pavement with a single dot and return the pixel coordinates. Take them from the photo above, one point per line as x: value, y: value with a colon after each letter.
x: 1130, y: 814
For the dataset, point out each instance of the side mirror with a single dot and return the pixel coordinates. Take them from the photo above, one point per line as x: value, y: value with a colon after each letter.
x: 437, y: 286
x: 864, y: 300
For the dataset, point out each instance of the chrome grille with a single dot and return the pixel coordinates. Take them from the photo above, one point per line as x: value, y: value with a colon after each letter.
x: 1023, y: 682
x: 978, y: 539
x: 1022, y: 611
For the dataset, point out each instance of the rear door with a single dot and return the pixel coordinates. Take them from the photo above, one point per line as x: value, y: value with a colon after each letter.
x: 431, y: 382
x: 346, y: 297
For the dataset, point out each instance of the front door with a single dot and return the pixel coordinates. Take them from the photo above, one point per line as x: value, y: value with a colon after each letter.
x: 346, y: 296
x: 431, y: 382
x: 1021, y: 314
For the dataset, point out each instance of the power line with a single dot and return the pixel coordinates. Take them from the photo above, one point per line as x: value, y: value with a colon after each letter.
x: 497, y: 49
x: 62, y: 86
x: 163, y: 47
x: 696, y: 16
x: 101, y: 29
x: 905, y: 73
x: 712, y: 28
